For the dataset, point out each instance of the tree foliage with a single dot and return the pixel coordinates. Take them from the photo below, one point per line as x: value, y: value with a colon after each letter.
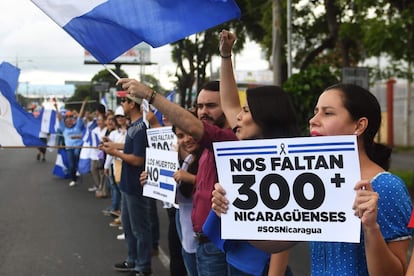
x: 391, y: 33
x: 194, y: 54
x: 87, y: 90
x: 304, y: 89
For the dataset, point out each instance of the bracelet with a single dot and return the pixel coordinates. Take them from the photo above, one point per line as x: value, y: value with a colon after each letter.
x: 228, y: 56
x: 152, y: 97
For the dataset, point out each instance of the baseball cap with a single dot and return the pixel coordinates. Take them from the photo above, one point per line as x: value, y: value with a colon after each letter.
x: 119, y: 111
x: 133, y: 98
x: 69, y: 113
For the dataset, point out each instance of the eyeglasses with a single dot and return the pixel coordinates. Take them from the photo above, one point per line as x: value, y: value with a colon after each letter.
x: 124, y: 100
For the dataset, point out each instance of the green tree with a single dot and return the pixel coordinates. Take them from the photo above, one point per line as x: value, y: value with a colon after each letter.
x: 88, y: 91
x: 304, y: 88
x: 193, y: 54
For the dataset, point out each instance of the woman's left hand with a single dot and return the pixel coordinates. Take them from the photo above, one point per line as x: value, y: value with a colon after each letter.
x: 366, y: 203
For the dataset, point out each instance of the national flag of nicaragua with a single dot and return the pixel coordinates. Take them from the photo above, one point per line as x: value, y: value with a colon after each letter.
x: 61, y: 165
x: 108, y: 28
x: 171, y: 97
x: 104, y: 102
x: 48, y: 121
x: 89, y: 140
x: 18, y: 127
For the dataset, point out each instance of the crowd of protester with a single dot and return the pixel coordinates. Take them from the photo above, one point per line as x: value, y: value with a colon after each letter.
x: 117, y: 167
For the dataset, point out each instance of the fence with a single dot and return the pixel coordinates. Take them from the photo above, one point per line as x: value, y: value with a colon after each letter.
x: 403, y: 120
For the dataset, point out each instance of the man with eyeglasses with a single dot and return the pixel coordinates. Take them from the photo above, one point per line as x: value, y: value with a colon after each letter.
x: 134, y: 206
x: 212, y: 128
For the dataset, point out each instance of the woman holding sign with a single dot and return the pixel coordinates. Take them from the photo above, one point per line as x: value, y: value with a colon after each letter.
x: 267, y: 113
x: 382, y: 201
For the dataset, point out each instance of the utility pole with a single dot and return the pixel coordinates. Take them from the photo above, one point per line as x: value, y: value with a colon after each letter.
x: 277, y: 41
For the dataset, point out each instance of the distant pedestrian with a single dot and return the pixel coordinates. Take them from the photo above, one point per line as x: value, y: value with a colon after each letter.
x: 72, y: 130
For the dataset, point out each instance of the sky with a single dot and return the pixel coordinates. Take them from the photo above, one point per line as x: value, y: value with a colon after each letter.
x: 46, y: 54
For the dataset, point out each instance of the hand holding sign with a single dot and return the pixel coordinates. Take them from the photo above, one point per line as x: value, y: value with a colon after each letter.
x: 220, y: 204
x: 366, y: 204
x: 289, y: 189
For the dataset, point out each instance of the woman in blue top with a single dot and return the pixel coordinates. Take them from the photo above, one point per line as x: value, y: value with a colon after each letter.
x: 382, y: 201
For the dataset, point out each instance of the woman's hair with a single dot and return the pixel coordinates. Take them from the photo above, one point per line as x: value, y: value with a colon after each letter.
x: 361, y: 103
x: 187, y: 189
x: 272, y: 110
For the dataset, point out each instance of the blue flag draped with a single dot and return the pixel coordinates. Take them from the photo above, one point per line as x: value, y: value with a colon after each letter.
x: 61, y: 165
x: 18, y: 127
x: 170, y: 96
x: 84, y: 165
x: 48, y: 120
x: 108, y: 28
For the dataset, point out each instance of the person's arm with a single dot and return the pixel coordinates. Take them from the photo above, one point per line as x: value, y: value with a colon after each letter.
x: 184, y: 176
x: 382, y: 258
x: 112, y: 149
x: 278, y: 263
x: 178, y: 116
x: 129, y: 158
x: 229, y: 94
x: 59, y: 116
x: 106, y: 140
x: 410, y: 270
x: 82, y: 110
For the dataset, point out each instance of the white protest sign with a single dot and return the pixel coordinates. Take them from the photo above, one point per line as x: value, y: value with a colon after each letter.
x: 297, y: 189
x: 162, y: 138
x: 160, y: 166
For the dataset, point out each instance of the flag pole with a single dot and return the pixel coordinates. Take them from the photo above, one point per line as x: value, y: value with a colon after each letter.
x: 51, y: 147
x: 111, y: 71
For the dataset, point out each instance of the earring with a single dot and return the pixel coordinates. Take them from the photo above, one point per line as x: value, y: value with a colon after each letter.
x: 356, y: 133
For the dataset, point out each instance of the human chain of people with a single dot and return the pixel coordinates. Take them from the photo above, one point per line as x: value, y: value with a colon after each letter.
x: 237, y: 179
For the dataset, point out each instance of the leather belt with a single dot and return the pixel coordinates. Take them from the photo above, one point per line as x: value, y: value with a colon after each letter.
x: 200, y: 237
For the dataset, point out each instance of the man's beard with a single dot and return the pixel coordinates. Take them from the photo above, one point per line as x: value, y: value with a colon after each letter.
x: 220, y: 121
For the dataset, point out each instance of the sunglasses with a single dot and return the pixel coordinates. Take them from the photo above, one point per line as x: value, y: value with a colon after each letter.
x: 125, y: 100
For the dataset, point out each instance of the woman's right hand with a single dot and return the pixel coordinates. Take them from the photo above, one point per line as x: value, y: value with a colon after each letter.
x: 219, y: 202
x: 227, y: 40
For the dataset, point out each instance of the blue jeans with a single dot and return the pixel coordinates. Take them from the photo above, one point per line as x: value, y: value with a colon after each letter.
x: 115, y: 193
x: 232, y: 271
x: 73, y: 161
x: 189, y: 259
x: 137, y: 228
x: 211, y: 261
x: 155, y: 223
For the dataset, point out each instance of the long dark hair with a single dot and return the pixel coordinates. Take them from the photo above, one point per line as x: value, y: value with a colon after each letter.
x: 272, y: 110
x: 187, y: 189
x: 361, y: 103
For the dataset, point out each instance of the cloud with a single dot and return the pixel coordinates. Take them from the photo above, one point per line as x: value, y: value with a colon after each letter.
x: 46, y: 54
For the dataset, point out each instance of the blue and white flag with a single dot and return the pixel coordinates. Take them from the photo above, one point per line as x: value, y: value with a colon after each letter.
x: 84, y: 165
x: 48, y: 122
x: 170, y: 96
x: 18, y: 127
x: 61, y: 165
x: 108, y: 28
x: 104, y: 102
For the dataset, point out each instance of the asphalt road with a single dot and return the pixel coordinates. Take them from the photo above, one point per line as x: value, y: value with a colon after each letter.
x: 48, y: 228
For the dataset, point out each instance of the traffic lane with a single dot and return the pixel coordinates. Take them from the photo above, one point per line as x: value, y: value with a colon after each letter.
x: 48, y: 228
